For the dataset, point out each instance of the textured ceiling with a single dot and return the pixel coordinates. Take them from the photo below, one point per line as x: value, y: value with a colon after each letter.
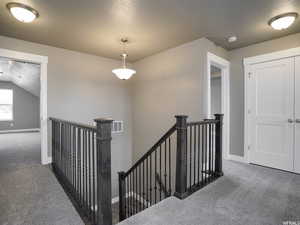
x: 95, y: 26
x: 24, y: 75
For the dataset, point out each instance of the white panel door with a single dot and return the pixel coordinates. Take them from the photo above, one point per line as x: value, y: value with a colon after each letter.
x: 271, y: 114
x: 297, y: 115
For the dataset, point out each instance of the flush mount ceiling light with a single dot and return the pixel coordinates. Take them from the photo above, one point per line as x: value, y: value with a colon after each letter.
x: 283, y: 21
x: 22, y: 12
x: 124, y: 73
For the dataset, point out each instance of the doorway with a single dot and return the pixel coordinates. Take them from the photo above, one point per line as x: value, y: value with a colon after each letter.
x: 41, y: 63
x: 217, y: 100
x: 19, y: 114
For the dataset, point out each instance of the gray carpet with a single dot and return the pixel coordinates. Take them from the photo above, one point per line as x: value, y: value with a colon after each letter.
x: 246, y: 195
x: 29, y: 192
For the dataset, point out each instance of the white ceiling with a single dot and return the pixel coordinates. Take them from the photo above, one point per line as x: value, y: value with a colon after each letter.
x: 22, y: 74
x: 96, y: 26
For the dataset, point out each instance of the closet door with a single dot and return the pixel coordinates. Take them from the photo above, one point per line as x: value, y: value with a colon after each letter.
x: 297, y: 115
x: 271, y: 114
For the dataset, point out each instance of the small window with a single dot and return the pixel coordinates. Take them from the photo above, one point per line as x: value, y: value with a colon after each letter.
x: 6, y: 105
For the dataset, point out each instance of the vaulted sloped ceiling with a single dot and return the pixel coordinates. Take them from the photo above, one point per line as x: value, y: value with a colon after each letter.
x: 96, y: 26
x: 24, y: 75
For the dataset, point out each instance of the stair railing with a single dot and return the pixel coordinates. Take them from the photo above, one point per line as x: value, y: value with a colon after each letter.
x: 139, y: 187
x: 81, y: 161
x: 185, y: 159
x: 199, y: 154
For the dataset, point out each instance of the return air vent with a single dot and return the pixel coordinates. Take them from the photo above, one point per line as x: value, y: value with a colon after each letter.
x: 117, y: 126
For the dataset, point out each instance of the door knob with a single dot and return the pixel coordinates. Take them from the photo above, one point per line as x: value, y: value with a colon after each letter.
x: 297, y: 120
x: 290, y: 120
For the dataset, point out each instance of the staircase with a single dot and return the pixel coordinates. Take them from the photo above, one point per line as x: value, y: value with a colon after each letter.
x: 184, y: 160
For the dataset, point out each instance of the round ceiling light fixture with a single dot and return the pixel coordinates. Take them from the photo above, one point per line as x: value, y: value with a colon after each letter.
x: 22, y: 12
x: 124, y: 73
x: 283, y: 21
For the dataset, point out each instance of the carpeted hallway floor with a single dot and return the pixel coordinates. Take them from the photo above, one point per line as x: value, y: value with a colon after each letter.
x: 29, y: 192
x: 246, y: 195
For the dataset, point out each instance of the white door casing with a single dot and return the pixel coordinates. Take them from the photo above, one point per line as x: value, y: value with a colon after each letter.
x: 271, y: 113
x: 297, y: 116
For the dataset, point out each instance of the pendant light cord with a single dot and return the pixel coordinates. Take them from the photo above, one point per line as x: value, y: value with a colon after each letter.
x: 124, y: 54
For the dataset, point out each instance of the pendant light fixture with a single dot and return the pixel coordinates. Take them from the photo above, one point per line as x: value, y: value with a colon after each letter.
x: 124, y: 73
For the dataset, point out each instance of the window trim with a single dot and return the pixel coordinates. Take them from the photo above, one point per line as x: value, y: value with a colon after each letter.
x: 12, y: 119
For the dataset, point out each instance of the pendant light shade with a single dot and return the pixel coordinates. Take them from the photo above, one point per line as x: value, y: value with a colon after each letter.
x: 124, y: 73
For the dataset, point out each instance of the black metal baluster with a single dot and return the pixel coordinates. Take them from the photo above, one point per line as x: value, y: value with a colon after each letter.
x: 150, y: 179
x: 160, y: 172
x: 209, y: 149
x: 140, y: 188
x: 194, y: 154
x: 131, y: 194
x: 79, y: 151
x: 199, y: 139
x: 83, y: 167
x: 155, y: 168
x: 126, y: 198
x: 214, y: 148
x: 134, y: 193
x: 206, y: 153
x: 212, y: 152
x: 71, y: 158
x: 165, y: 175
x: 62, y: 149
x: 137, y: 189
x: 144, y: 198
x: 94, y: 176
x: 190, y: 152
x: 147, y: 181
x: 86, y: 172
x: 90, y: 176
x: 75, y: 161
x: 65, y: 152
x: 203, y: 153
x: 69, y: 154
x: 170, y: 172
x: 53, y: 141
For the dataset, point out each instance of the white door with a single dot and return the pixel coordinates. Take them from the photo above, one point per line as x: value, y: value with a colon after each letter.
x: 271, y: 114
x: 297, y: 115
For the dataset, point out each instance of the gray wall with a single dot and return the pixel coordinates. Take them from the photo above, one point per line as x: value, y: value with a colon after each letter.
x: 237, y: 84
x: 167, y: 84
x: 26, y: 109
x: 81, y: 87
x: 216, y: 95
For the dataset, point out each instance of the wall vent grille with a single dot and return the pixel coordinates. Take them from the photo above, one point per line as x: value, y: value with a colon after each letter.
x: 117, y: 126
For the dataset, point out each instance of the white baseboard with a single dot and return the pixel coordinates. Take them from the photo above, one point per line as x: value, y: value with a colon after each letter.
x: 20, y: 131
x: 236, y: 158
x: 47, y: 161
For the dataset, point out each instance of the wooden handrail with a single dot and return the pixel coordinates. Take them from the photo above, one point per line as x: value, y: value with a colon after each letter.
x: 80, y: 125
x: 154, y: 147
x: 207, y: 121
